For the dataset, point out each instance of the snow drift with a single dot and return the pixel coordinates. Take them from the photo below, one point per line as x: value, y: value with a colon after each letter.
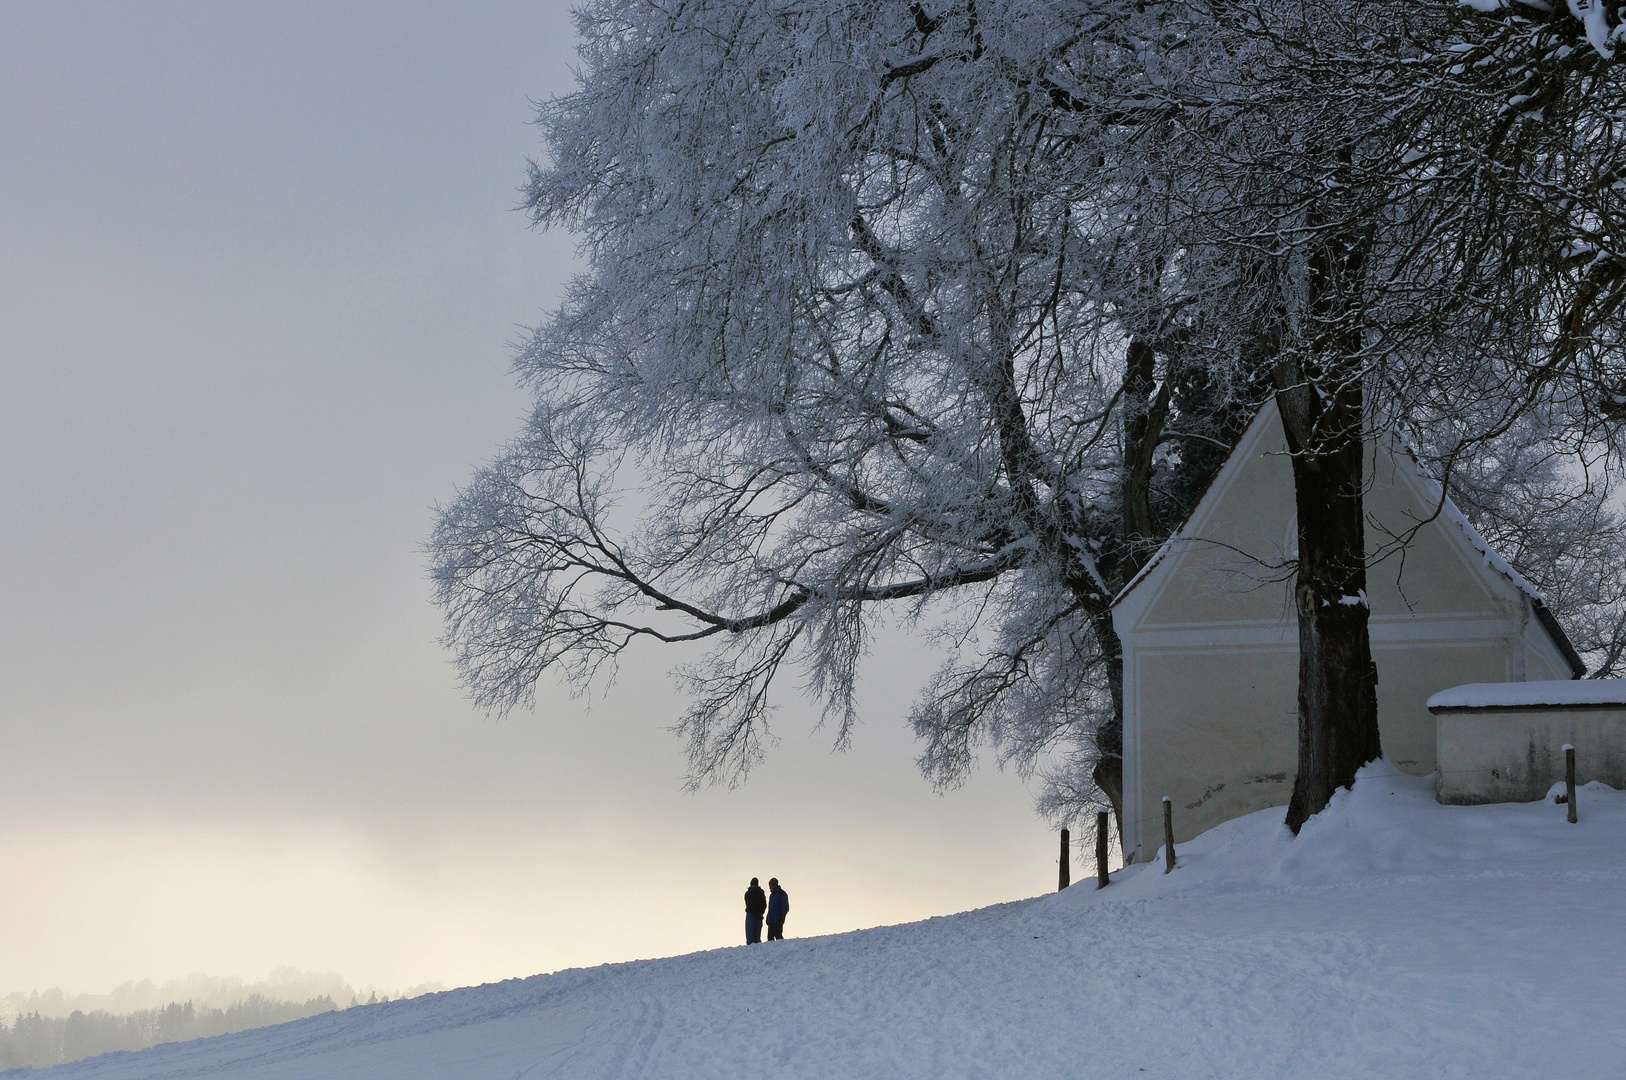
x: 1395, y: 937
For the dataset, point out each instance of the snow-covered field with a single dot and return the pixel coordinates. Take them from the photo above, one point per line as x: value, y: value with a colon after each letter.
x: 1394, y: 938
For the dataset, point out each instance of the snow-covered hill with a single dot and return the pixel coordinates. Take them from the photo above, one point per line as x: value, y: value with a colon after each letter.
x: 1394, y: 938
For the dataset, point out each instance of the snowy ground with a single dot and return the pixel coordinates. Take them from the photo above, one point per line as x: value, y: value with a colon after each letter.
x: 1394, y: 938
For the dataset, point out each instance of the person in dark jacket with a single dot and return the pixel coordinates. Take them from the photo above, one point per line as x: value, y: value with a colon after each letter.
x: 756, y: 903
x: 778, y: 908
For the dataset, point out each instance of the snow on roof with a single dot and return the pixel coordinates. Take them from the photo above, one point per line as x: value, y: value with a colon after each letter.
x: 1570, y: 692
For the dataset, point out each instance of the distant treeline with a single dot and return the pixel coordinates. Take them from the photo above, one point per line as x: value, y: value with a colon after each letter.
x: 33, y: 1039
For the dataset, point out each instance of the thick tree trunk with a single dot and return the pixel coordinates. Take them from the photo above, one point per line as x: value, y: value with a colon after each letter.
x: 1338, y: 713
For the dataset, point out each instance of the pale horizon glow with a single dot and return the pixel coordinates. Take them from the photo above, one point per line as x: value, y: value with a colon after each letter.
x: 262, y: 278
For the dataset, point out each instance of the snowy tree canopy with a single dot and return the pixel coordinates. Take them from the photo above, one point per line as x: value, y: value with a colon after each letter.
x: 854, y: 313
x: 889, y: 304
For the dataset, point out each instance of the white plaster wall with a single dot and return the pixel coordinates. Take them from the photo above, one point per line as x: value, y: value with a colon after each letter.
x: 1218, y: 726
x: 1516, y: 754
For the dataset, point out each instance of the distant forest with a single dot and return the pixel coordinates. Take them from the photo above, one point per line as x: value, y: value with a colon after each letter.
x: 33, y: 1039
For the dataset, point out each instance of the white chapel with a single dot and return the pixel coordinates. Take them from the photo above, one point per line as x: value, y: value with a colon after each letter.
x: 1210, y: 639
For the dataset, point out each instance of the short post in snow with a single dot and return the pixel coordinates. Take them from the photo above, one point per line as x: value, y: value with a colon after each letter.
x: 1065, y: 879
x: 1569, y: 780
x: 1168, y: 835
x: 1101, y: 850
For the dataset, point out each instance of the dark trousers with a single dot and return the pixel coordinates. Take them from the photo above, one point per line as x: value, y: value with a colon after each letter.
x: 753, y: 929
x: 776, y: 931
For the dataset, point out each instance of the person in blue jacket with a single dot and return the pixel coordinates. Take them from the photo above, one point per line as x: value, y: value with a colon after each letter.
x: 756, y: 903
x: 778, y: 908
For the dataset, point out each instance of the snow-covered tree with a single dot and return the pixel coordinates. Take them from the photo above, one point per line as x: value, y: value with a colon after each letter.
x: 854, y: 325
x: 951, y: 308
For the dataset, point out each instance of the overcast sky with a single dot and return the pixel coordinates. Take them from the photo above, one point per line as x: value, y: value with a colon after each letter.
x: 259, y: 279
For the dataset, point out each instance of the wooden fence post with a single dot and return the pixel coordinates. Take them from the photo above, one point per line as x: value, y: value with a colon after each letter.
x: 1066, y: 877
x: 1101, y: 849
x: 1569, y: 779
x: 1168, y: 835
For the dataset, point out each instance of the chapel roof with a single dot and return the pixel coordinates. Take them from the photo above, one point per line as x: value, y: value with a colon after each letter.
x: 1448, y: 510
